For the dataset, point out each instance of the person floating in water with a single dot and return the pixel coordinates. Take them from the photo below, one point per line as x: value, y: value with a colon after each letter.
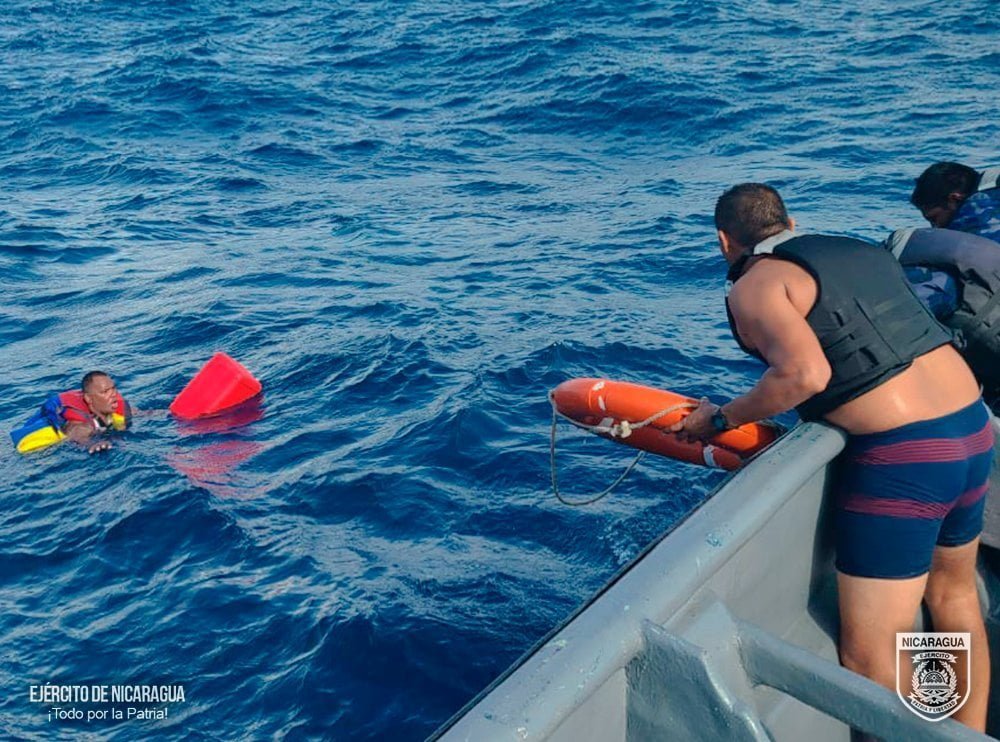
x: 105, y: 410
x: 79, y: 416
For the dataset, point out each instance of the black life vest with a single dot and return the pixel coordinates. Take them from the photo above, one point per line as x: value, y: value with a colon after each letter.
x: 870, y: 324
x: 974, y: 263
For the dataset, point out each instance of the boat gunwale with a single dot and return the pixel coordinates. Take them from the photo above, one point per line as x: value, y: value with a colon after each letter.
x: 703, y: 539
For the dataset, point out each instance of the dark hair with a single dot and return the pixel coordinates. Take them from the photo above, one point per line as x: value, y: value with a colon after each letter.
x: 750, y: 212
x: 89, y: 377
x: 941, y: 179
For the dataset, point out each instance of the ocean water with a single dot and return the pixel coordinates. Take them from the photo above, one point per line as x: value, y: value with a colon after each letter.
x: 410, y: 220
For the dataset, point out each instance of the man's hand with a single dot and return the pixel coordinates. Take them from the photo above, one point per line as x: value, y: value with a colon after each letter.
x: 697, y: 426
x: 99, y: 446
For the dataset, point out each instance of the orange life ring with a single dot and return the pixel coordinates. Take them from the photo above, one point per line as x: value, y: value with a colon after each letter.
x: 611, y: 408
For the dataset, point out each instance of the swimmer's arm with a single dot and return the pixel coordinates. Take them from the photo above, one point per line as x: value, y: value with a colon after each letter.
x: 82, y: 433
x: 78, y: 432
x: 797, y: 367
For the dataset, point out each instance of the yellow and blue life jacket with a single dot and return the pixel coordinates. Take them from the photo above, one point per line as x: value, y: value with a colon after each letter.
x: 46, y: 426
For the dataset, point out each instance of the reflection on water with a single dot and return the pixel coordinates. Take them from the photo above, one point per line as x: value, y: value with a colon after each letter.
x: 228, y: 421
x: 215, y: 466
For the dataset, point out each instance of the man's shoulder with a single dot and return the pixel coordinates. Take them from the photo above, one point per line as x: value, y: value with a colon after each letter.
x: 979, y: 204
x: 775, y: 269
x: 979, y: 214
x: 770, y: 284
x: 767, y: 273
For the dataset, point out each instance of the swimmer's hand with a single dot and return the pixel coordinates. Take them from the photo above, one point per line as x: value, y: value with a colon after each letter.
x: 83, y: 433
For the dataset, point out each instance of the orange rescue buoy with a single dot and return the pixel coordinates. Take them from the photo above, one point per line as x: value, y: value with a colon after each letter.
x: 640, y: 416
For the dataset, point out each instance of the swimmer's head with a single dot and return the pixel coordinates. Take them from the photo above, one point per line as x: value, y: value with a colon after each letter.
x: 100, y: 393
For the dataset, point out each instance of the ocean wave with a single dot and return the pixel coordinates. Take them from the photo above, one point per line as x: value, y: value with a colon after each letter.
x: 410, y: 226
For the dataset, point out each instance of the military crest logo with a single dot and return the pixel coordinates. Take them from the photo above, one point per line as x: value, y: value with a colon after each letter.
x: 933, y: 673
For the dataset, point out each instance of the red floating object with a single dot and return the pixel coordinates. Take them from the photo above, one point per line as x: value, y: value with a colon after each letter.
x: 221, y: 383
x: 602, y: 405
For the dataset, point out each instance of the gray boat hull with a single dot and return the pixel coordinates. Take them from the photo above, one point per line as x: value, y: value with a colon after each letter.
x: 725, y: 629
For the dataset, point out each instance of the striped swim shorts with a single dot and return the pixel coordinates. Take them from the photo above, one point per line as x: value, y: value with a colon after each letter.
x: 904, y: 491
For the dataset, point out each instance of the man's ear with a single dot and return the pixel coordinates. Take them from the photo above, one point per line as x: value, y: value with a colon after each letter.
x: 955, y: 198
x: 724, y: 241
x: 731, y: 249
x: 791, y: 224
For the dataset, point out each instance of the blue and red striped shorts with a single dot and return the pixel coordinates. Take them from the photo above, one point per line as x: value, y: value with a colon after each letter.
x: 904, y: 491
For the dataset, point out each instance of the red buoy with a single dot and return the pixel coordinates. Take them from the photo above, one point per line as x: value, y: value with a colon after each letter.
x: 221, y: 383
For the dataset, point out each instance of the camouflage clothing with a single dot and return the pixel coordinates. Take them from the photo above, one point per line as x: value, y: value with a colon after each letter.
x: 979, y: 214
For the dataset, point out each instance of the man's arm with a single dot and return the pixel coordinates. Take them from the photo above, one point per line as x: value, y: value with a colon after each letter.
x: 78, y: 432
x: 769, y: 322
x: 81, y: 433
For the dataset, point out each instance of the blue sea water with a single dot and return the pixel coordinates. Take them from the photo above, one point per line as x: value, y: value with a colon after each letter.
x: 410, y: 220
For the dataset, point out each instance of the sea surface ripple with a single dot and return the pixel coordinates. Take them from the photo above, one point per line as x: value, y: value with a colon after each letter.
x: 410, y: 219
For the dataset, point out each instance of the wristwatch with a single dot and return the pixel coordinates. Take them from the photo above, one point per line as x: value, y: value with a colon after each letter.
x: 719, y: 421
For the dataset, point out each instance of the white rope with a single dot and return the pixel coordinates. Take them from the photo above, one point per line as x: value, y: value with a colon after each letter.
x: 621, y: 430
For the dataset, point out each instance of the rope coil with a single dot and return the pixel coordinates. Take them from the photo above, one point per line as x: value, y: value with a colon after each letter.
x: 622, y: 429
